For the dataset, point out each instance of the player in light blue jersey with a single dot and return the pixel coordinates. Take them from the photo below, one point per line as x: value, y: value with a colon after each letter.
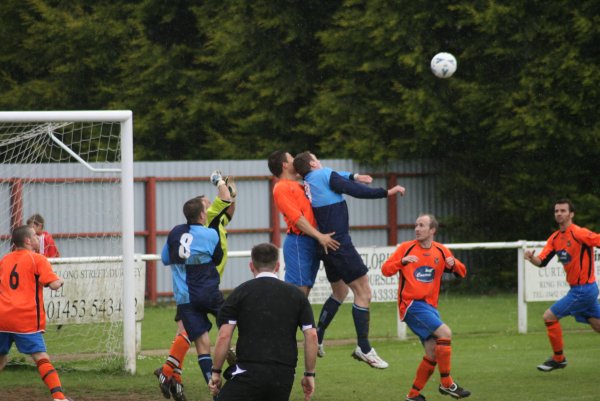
x: 325, y: 188
x: 193, y: 251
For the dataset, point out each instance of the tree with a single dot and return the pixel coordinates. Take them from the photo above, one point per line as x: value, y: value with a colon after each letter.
x: 506, y: 129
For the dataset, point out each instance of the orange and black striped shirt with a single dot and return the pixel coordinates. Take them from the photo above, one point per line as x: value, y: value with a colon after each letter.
x: 575, y: 250
x: 23, y: 274
x: 420, y: 280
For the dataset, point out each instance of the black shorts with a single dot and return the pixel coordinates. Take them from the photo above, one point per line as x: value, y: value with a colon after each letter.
x: 259, y: 382
x: 344, y: 264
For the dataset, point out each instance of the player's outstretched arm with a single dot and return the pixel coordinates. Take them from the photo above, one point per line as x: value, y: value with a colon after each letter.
x: 216, y: 178
x: 363, y: 178
x: 342, y: 185
x: 396, y: 190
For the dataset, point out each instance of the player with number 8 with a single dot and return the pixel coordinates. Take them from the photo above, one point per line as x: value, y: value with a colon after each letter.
x: 218, y: 215
x: 193, y: 251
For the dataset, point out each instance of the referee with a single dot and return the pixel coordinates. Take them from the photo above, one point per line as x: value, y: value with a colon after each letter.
x: 267, y: 312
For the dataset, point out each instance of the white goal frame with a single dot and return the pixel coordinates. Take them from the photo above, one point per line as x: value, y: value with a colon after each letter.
x: 125, y: 118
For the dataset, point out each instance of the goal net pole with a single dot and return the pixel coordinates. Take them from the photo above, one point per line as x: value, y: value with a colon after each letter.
x: 127, y: 217
x: 125, y: 118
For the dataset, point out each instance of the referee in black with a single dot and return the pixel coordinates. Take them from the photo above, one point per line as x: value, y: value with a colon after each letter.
x: 267, y: 312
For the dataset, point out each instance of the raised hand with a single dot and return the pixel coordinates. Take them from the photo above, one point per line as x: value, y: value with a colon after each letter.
x: 216, y: 177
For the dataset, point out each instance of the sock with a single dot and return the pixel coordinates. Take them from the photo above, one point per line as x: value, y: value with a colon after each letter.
x: 556, y: 339
x: 330, y: 308
x: 424, y: 372
x: 50, y: 378
x: 361, y: 318
x: 443, y: 354
x: 174, y: 363
x: 177, y: 375
x: 205, y: 362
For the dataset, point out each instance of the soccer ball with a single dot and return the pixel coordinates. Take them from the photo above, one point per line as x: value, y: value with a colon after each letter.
x: 443, y: 65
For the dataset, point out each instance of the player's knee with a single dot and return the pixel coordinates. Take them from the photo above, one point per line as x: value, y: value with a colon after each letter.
x: 3, y: 360
x: 360, y: 287
x: 362, y: 297
x: 549, y: 316
x: 340, y: 290
x: 595, y: 323
x: 443, y: 332
x: 340, y: 293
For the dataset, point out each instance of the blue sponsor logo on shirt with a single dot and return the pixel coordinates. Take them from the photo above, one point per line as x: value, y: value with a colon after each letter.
x: 563, y: 257
x: 424, y: 274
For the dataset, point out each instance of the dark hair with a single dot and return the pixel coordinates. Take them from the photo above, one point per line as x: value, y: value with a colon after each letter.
x: 276, y: 160
x: 302, y: 163
x: 433, y: 223
x: 264, y: 256
x: 192, y: 210
x: 36, y: 218
x: 568, y: 202
x: 19, y: 235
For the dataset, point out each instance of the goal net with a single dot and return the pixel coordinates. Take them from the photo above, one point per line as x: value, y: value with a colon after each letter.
x: 72, y: 174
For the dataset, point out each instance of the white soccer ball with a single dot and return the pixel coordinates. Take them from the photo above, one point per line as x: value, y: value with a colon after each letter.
x: 443, y: 65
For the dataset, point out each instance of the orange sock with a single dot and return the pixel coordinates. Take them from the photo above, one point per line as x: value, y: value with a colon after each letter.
x: 443, y: 355
x: 50, y: 378
x: 556, y: 339
x: 174, y: 362
x: 424, y: 372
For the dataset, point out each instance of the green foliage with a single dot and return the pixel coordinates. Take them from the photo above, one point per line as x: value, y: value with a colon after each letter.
x: 515, y: 128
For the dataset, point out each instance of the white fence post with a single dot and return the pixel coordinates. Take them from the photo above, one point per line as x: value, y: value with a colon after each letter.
x: 401, y: 326
x: 521, y: 304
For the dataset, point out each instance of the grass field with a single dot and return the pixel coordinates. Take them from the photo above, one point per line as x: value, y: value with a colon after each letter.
x: 489, y: 358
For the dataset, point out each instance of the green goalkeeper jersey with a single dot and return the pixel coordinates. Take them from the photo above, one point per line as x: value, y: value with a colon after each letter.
x: 216, y: 215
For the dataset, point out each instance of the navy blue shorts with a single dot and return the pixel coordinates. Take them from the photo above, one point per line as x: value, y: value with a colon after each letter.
x: 423, y: 319
x: 194, y: 316
x: 301, y: 260
x: 26, y: 343
x: 344, y: 264
x: 581, y: 302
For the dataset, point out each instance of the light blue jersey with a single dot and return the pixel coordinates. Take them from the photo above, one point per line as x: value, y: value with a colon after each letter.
x: 193, y: 251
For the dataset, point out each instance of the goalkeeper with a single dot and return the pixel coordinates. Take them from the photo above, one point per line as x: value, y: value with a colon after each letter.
x: 218, y: 215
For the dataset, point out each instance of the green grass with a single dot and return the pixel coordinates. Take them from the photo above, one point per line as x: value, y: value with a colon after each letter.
x: 489, y: 358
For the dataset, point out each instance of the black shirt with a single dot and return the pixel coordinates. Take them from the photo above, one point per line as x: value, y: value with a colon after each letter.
x: 267, y: 312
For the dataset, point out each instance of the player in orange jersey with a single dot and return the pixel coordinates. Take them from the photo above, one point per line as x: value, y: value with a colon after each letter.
x: 23, y: 274
x: 300, y: 251
x: 300, y: 246
x: 574, y: 247
x: 420, y: 264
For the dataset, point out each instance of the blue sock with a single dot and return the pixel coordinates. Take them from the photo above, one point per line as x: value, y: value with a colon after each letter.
x: 330, y: 308
x: 361, y: 318
x: 205, y: 362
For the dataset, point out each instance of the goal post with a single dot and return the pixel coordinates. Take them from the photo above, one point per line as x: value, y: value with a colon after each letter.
x: 30, y: 139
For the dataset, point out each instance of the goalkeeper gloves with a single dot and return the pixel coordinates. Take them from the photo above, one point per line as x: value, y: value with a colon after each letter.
x: 216, y: 178
x: 229, y: 181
